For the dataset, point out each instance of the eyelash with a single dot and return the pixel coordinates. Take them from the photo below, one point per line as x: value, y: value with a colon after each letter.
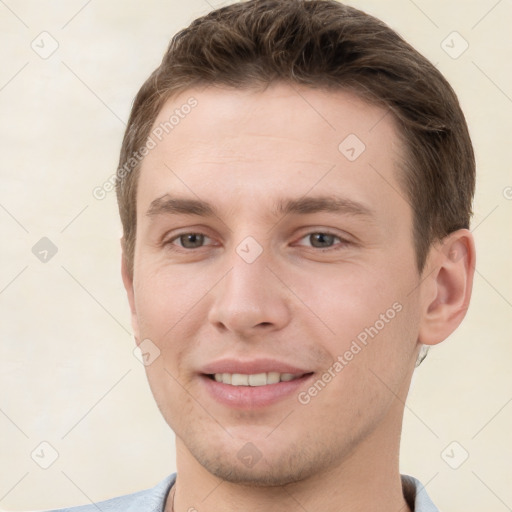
x: 343, y: 242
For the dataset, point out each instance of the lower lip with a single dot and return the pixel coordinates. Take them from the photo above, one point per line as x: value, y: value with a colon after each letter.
x: 251, y: 397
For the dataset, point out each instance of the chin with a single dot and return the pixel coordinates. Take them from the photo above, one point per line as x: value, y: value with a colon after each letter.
x: 285, y: 465
x: 267, y: 475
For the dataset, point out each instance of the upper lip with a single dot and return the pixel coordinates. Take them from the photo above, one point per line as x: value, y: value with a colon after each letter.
x: 251, y: 367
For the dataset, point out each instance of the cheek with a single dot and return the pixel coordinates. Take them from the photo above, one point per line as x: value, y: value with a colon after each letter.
x: 373, y: 319
x: 369, y: 368
x: 349, y: 299
x: 336, y: 303
x: 166, y: 298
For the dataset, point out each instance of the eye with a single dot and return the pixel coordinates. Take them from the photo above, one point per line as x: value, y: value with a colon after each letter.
x: 323, y: 240
x: 188, y: 240
x: 318, y: 239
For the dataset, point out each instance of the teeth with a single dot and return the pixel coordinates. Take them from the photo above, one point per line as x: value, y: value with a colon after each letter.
x: 273, y: 377
x: 237, y: 379
x: 256, y: 379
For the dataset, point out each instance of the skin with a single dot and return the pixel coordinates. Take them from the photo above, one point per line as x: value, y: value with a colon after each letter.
x: 243, y: 150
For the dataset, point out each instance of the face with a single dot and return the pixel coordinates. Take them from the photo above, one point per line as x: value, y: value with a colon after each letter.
x: 275, y: 273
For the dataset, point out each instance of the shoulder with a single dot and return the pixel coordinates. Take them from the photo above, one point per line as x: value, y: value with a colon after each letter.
x: 150, y: 500
x: 416, y: 495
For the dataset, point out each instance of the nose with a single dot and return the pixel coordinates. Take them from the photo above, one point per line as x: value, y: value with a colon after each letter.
x: 250, y: 300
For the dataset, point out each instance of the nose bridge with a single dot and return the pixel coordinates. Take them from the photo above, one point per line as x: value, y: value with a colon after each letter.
x: 250, y: 274
x: 250, y: 297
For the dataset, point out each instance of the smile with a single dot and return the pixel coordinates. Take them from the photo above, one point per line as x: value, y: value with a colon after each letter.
x: 255, y: 379
x: 249, y: 391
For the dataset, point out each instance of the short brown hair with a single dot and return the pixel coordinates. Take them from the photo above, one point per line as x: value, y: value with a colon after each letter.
x: 320, y: 44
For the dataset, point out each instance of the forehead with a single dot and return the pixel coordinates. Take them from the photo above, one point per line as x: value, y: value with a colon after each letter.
x: 281, y: 110
x: 229, y: 144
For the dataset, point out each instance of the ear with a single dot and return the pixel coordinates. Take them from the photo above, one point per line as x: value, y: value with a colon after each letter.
x: 447, y: 286
x: 128, y: 286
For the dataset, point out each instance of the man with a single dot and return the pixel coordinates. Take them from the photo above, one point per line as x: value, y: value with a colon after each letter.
x: 295, y: 187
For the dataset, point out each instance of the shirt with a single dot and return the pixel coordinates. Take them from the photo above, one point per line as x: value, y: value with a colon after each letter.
x: 153, y: 500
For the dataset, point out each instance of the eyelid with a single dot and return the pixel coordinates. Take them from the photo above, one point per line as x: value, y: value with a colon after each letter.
x: 343, y: 240
x: 176, y: 236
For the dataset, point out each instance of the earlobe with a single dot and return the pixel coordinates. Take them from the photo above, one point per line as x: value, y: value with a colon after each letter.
x: 447, y: 287
x: 128, y: 286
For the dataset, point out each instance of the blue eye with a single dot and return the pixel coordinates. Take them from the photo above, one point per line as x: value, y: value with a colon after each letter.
x: 323, y: 240
x: 189, y: 240
x: 318, y: 240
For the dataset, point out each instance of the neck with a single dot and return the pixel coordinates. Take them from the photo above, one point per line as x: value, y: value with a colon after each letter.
x: 368, y: 479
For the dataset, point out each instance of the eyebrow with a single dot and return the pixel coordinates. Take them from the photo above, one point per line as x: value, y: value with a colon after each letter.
x: 169, y: 205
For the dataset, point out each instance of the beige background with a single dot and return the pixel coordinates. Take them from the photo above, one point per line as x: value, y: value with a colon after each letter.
x: 68, y: 375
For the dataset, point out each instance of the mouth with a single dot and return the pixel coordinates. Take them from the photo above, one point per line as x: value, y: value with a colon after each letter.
x: 248, y: 390
x: 255, y: 379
